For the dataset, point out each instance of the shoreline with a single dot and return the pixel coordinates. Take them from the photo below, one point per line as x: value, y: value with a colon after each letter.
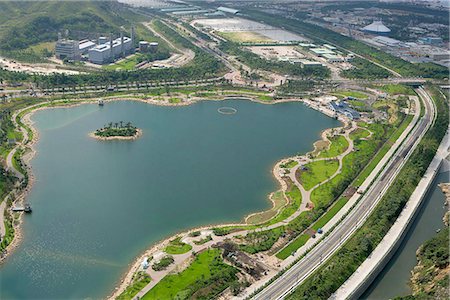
x: 126, y: 278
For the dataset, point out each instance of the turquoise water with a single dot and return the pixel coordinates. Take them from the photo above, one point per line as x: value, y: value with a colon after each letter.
x: 99, y: 204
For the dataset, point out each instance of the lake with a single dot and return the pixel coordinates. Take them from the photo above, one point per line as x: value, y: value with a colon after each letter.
x: 99, y: 204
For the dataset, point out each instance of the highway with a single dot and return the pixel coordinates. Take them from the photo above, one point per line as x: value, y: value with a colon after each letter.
x: 297, y: 274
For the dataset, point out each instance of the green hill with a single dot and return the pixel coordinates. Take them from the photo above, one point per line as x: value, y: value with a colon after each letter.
x: 29, y: 23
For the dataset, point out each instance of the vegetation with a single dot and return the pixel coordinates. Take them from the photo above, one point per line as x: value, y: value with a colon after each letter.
x: 261, y: 240
x: 316, y: 172
x: 163, y: 263
x: 205, y: 278
x: 347, y: 259
x: 430, y: 279
x: 176, y: 246
x: 397, y: 89
x: 117, y: 130
x: 354, y: 94
x: 293, y: 246
x: 140, y: 280
x: 25, y: 24
x: 203, y: 241
x: 339, y: 145
x: 278, y: 201
x: 297, y: 87
x: 363, y: 69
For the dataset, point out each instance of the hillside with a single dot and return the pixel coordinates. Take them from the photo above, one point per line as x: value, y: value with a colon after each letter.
x: 430, y: 278
x: 25, y: 24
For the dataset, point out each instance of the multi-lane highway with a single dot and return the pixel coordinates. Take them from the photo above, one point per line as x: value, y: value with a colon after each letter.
x: 286, y: 283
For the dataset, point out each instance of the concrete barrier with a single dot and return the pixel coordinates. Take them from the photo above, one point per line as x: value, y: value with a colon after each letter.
x: 363, y: 277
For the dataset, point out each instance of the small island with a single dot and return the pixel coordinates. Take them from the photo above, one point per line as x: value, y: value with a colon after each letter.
x: 117, y: 131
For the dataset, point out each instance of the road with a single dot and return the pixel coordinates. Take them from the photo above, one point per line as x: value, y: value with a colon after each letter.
x: 286, y: 283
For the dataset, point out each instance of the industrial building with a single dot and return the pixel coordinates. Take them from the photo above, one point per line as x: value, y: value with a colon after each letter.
x: 107, y: 52
x: 431, y: 40
x: 377, y: 27
x: 228, y: 10
x: 67, y: 49
x: 85, y: 46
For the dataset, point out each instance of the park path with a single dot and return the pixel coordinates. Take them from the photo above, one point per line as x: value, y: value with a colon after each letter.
x: 306, y: 204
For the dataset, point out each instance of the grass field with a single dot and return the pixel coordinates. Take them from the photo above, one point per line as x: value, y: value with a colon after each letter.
x: 338, y: 146
x: 317, y: 172
x: 44, y: 46
x: 290, y: 164
x: 359, y: 133
x: 293, y: 246
x: 397, y: 89
x: 176, y: 246
x: 354, y: 94
x: 206, y: 272
x: 126, y: 64
x: 245, y: 37
x: 330, y: 213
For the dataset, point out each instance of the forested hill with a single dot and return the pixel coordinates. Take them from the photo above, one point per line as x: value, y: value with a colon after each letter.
x: 26, y: 23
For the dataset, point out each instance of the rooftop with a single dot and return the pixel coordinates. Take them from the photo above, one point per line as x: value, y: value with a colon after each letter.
x: 377, y: 26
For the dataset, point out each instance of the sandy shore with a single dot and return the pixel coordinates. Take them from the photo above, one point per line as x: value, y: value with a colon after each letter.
x: 127, y: 277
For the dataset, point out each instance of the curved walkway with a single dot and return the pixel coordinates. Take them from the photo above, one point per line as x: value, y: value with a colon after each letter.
x: 182, y: 259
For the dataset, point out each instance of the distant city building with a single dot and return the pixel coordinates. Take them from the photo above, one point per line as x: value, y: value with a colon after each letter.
x: 440, y: 55
x: 431, y: 40
x: 333, y: 58
x: 387, y: 41
x: 67, y: 49
x: 228, y: 10
x: 377, y: 27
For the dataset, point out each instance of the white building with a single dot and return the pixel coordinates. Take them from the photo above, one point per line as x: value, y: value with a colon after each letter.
x: 85, y: 45
x: 377, y: 27
x: 107, y: 52
x: 67, y: 49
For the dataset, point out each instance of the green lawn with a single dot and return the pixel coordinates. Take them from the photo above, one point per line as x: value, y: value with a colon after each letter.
x: 290, y: 164
x: 176, y: 246
x: 359, y: 133
x: 293, y: 246
x: 354, y: 94
x: 398, y: 89
x: 330, y: 213
x: 338, y: 146
x: 207, y: 276
x: 125, y: 64
x: 317, y: 172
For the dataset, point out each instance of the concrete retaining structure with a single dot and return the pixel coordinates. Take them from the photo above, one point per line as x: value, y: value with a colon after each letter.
x: 356, y: 285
